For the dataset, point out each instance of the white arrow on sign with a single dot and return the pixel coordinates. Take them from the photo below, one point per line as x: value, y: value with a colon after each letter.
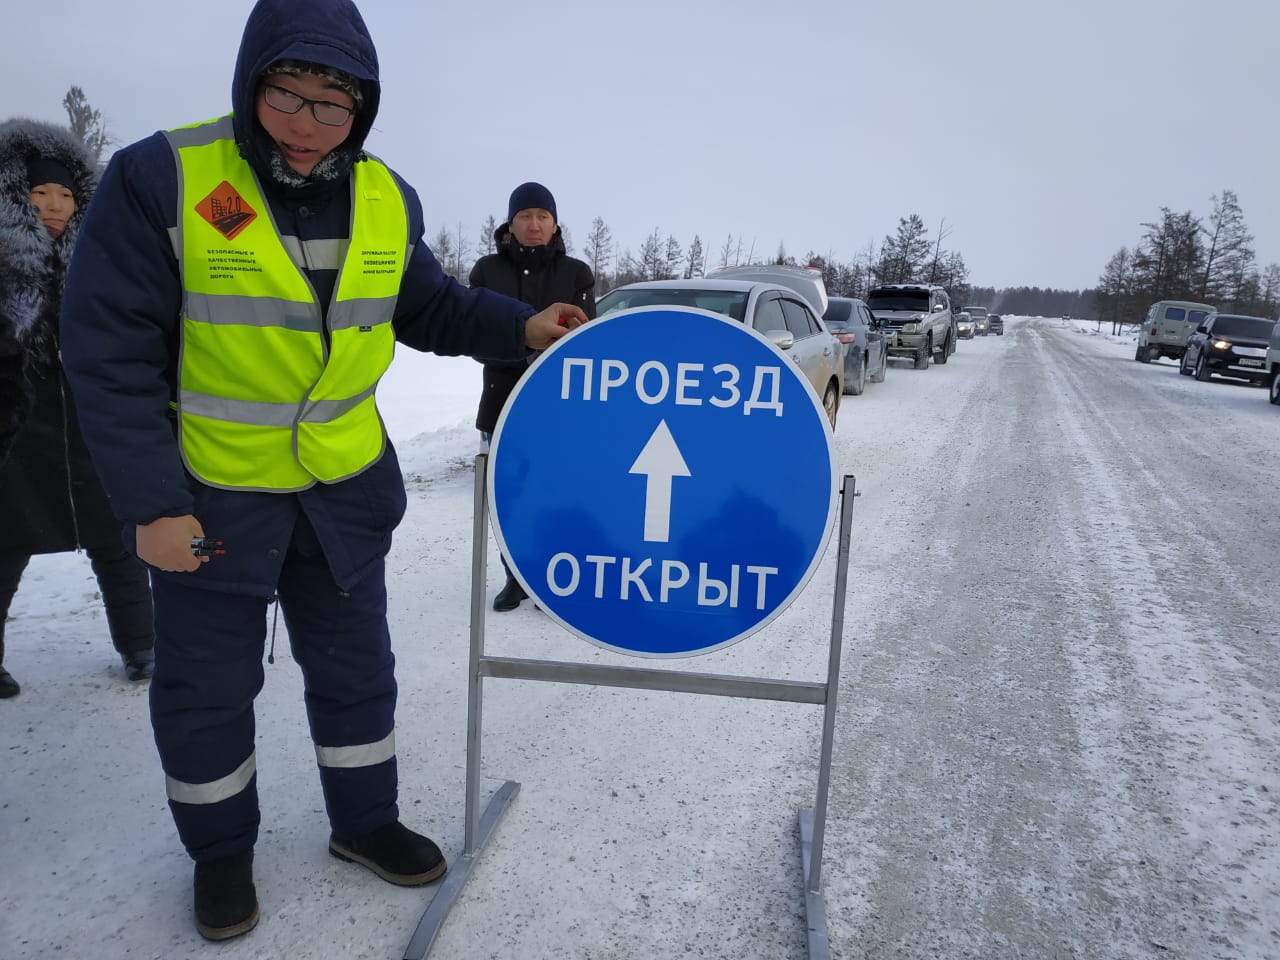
x: 660, y: 460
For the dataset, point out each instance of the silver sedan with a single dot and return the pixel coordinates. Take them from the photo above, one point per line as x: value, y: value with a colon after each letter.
x: 778, y: 312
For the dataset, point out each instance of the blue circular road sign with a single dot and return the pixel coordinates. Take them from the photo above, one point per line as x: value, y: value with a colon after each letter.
x: 663, y: 481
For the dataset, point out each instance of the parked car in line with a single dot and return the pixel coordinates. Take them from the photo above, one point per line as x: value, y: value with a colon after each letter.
x: 1166, y: 327
x: 979, y: 314
x: 996, y: 323
x: 965, y: 326
x: 917, y: 321
x: 775, y: 310
x: 1273, y: 364
x: 1229, y: 345
x: 866, y: 354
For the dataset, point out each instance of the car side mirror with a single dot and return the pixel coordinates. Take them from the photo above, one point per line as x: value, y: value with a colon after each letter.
x: 1202, y: 329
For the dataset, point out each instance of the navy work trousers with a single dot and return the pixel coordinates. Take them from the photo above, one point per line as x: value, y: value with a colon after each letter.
x: 208, y: 671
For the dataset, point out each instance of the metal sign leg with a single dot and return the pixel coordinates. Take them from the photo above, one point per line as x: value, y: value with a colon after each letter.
x: 813, y: 823
x: 479, y: 828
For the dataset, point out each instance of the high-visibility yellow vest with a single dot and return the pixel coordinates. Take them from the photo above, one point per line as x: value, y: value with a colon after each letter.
x: 273, y: 393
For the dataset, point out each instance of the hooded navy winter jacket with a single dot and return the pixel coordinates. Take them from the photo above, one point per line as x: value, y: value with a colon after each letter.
x: 121, y: 327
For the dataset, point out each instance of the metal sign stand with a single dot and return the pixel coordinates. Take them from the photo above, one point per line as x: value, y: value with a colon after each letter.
x: 480, y: 826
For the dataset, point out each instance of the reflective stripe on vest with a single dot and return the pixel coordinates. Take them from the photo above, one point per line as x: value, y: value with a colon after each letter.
x: 273, y: 393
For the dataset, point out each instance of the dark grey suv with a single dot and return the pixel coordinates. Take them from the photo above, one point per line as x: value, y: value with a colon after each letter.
x: 1229, y: 345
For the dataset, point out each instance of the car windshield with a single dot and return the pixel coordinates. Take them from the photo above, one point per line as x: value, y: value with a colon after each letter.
x: 917, y: 300
x: 1252, y: 328
x: 730, y: 303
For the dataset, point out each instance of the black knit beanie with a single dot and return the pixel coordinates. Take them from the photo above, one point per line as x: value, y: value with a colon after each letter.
x: 42, y: 170
x: 531, y: 196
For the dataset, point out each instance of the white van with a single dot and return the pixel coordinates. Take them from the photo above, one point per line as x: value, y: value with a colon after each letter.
x: 1166, y: 326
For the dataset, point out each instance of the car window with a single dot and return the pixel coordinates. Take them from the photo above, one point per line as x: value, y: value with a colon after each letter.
x: 865, y: 315
x: 800, y: 321
x: 730, y: 303
x: 917, y: 300
x: 1255, y: 328
x: 1197, y: 316
x: 1176, y: 313
x: 837, y: 310
x: 769, y: 315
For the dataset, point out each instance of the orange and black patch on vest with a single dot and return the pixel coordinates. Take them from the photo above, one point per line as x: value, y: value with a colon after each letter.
x: 226, y: 211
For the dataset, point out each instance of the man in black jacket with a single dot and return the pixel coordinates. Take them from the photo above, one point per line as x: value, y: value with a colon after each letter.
x: 531, y: 265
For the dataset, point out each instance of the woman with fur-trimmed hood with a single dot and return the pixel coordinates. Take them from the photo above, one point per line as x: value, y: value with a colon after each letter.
x: 50, y: 497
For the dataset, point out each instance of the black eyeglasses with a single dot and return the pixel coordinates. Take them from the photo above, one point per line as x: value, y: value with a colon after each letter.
x: 325, y: 111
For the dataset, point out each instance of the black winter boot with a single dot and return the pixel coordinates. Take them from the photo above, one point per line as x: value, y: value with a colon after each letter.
x: 509, y: 597
x: 139, y: 665
x: 226, y: 903
x: 8, y: 686
x: 395, y: 853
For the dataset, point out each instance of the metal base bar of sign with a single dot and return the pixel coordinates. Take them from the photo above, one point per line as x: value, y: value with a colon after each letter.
x: 674, y: 681
x: 479, y: 827
x: 815, y: 905
x: 449, y: 889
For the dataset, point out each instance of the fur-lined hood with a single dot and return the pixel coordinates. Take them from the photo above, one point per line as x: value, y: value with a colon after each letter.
x: 29, y: 257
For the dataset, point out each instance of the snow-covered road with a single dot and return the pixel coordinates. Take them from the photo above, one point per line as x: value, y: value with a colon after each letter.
x: 1062, y: 707
x: 1058, y: 732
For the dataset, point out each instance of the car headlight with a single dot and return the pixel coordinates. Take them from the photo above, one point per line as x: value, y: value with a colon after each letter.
x: 911, y: 328
x: 1221, y: 344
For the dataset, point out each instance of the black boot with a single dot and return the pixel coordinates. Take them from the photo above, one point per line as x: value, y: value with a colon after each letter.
x: 8, y: 686
x: 139, y: 665
x: 509, y: 597
x: 226, y: 903
x: 395, y: 853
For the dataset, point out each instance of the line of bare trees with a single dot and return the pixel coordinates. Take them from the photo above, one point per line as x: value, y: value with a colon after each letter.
x: 1184, y: 257
x: 907, y: 256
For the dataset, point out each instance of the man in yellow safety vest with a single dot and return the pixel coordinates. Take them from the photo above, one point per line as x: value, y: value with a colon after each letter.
x: 235, y: 295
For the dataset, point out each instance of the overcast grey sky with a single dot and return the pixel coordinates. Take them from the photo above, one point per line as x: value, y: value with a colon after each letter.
x: 1042, y: 133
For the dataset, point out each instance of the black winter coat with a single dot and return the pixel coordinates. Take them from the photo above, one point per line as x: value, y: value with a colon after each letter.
x: 50, y: 497
x: 540, y: 276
